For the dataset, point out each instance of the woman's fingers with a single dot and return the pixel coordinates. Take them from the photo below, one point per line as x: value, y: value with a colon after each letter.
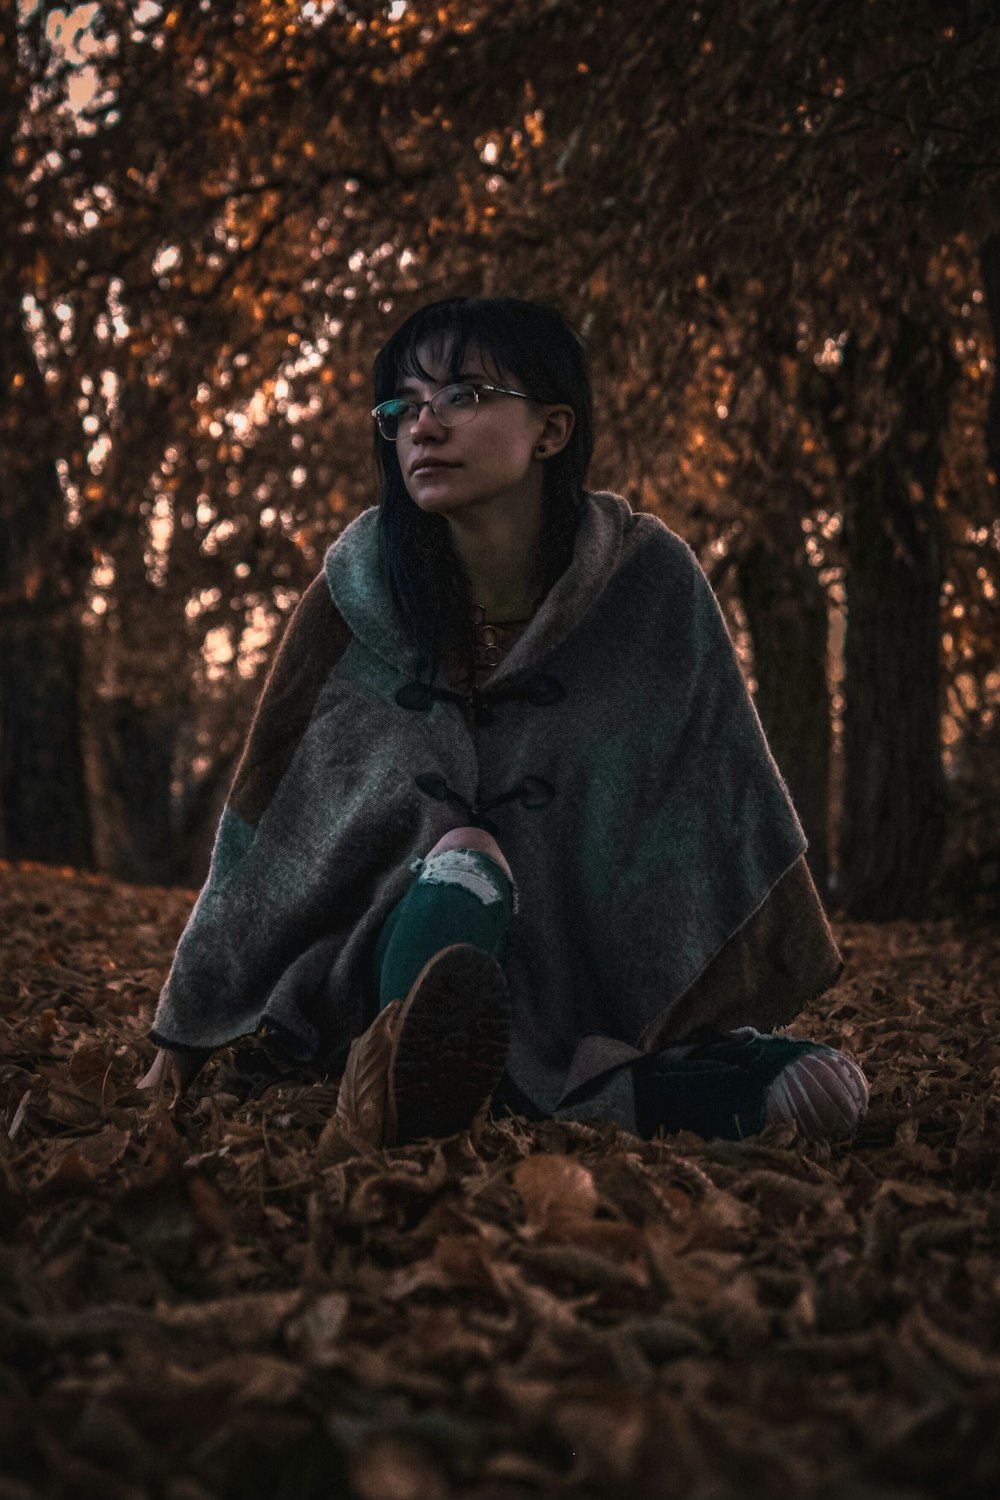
x: 158, y: 1073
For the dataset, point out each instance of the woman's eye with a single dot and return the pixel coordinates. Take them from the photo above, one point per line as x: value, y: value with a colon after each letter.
x: 459, y: 395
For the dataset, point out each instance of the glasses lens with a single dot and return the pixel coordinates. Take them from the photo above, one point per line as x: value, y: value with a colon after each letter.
x: 455, y: 404
x: 389, y: 415
x: 451, y: 406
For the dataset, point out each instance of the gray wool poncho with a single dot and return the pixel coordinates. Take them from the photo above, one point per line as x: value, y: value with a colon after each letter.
x: 617, y: 757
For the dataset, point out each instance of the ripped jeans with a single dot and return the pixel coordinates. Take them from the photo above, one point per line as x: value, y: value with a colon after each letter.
x: 459, y: 896
x: 716, y: 1084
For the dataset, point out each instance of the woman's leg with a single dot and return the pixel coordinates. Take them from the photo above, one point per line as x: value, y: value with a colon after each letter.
x: 463, y: 893
x: 431, y: 1059
x: 731, y: 1086
x: 473, y: 838
x: 820, y: 1089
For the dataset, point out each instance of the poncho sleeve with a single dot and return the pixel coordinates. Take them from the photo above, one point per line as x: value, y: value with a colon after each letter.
x: 783, y: 957
x: 779, y: 953
x: 213, y: 991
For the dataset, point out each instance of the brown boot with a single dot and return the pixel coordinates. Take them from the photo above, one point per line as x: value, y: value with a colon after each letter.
x: 428, y: 1064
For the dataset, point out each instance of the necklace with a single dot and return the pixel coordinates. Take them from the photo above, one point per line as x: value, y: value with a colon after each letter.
x: 495, y: 638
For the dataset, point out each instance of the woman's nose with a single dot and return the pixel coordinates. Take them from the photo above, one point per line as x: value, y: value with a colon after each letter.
x: 426, y: 422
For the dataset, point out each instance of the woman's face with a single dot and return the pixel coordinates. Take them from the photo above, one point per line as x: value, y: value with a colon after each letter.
x: 497, y: 456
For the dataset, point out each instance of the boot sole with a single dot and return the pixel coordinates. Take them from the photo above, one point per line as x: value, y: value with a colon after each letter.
x: 451, y: 1047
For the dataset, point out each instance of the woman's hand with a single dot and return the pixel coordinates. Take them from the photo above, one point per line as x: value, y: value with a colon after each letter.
x: 160, y: 1073
x: 172, y: 1069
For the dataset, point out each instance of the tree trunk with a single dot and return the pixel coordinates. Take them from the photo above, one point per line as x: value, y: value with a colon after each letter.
x: 786, y: 612
x: 43, y: 798
x: 43, y: 794
x: 893, y: 810
x: 134, y: 750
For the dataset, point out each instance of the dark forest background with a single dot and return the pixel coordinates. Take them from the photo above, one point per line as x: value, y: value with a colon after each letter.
x: 776, y: 224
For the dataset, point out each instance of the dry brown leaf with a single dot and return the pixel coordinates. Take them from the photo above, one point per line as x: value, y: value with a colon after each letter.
x: 466, y: 1260
x: 84, y: 1162
x: 581, y: 1266
x: 917, y: 1195
x: 966, y: 1359
x: 245, y: 1379
x: 768, y: 1308
x: 314, y: 1334
x: 397, y: 1468
x: 605, y: 1428
x: 237, y: 1322
x: 362, y: 1100
x: 555, y: 1191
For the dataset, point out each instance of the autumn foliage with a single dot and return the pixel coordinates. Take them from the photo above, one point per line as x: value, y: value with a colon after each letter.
x: 229, y: 1297
x: 775, y: 224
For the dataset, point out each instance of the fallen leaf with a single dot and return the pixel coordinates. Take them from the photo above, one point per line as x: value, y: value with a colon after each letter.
x: 554, y: 1190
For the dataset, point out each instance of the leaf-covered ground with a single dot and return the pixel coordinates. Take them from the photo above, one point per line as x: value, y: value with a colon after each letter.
x: 227, y: 1299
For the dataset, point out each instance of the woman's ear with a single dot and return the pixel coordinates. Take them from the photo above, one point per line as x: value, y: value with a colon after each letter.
x: 558, y: 429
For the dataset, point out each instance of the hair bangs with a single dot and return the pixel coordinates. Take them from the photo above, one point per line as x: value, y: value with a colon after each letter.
x: 447, y: 334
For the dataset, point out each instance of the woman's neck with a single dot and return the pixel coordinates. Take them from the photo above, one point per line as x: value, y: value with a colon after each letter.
x: 502, y: 556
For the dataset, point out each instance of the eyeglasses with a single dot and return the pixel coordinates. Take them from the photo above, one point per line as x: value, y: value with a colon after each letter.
x: 453, y: 406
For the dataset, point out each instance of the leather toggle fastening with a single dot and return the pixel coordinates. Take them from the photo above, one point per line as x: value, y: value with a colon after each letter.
x: 540, y: 691
x: 534, y: 791
x: 530, y: 792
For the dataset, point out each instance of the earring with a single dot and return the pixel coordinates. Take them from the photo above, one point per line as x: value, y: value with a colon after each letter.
x: 541, y: 450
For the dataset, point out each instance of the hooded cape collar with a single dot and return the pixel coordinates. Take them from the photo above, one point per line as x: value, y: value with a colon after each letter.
x: 359, y: 585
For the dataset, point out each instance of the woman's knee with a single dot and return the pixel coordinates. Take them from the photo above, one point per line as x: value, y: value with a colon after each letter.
x: 473, y: 838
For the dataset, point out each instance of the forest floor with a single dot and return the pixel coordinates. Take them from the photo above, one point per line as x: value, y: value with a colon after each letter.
x: 229, y: 1299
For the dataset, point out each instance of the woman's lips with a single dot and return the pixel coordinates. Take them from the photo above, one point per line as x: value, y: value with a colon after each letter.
x: 428, y: 465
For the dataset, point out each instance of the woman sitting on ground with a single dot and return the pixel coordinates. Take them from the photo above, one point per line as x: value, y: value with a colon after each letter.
x: 506, y: 825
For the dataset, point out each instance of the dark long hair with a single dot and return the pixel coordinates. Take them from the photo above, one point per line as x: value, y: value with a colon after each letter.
x: 537, y: 346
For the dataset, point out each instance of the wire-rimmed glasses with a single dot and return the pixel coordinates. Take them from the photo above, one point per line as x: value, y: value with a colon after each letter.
x: 452, y: 406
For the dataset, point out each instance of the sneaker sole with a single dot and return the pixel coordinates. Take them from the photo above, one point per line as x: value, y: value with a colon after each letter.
x: 824, y: 1092
x: 451, y: 1047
